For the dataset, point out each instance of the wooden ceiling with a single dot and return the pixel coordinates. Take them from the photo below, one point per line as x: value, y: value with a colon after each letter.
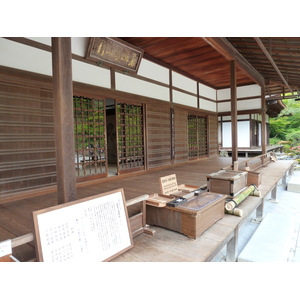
x: 198, y: 59
x: 190, y: 56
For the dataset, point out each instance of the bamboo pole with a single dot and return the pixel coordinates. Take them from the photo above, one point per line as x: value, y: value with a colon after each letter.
x: 236, y: 212
x: 250, y: 190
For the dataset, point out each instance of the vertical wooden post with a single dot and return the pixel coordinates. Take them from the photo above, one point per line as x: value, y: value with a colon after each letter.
x: 259, y: 213
x: 263, y: 122
x: 233, y: 111
x: 232, y: 246
x: 63, y: 118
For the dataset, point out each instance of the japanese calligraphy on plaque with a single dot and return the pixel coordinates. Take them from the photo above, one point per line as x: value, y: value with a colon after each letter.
x: 115, y: 53
x: 168, y: 184
x: 91, y: 229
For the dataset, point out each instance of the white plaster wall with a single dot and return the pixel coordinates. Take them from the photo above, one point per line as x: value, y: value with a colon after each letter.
x: 79, y: 45
x: 208, y: 105
x: 208, y: 92
x: 153, y: 71
x: 249, y: 104
x: 42, y: 40
x: 184, y: 83
x: 223, y: 94
x: 252, y: 90
x: 241, y: 105
x: 19, y: 56
x: 89, y: 74
x: 185, y: 99
x: 224, y: 106
x: 136, y: 86
x: 248, y: 91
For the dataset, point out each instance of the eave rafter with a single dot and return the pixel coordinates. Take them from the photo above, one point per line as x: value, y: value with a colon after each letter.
x: 265, y: 51
x: 230, y: 53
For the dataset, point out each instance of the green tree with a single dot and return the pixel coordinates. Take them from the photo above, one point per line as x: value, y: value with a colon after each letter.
x: 286, y: 127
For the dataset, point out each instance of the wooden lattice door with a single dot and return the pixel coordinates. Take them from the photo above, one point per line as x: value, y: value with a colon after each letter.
x: 197, y: 136
x: 130, y: 135
x: 90, y: 138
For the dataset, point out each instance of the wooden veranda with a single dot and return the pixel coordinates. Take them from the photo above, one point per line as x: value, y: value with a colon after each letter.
x: 16, y: 217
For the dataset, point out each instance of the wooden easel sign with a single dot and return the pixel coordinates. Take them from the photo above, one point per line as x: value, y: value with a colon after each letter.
x: 168, y: 184
x: 92, y: 229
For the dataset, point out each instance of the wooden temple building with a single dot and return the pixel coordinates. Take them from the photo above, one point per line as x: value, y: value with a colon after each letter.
x: 82, y: 116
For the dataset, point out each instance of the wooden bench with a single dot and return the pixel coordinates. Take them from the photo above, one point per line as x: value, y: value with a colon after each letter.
x: 167, y: 245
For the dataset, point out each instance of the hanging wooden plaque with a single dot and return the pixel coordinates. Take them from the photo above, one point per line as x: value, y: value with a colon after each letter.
x: 114, y: 52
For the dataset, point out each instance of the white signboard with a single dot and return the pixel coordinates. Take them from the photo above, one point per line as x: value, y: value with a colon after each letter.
x: 90, y: 229
x: 5, y: 248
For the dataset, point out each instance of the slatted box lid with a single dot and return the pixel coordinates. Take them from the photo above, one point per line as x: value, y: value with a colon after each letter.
x: 227, y: 182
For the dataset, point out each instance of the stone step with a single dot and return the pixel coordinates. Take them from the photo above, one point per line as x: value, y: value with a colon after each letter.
x: 272, y: 240
x: 294, y: 184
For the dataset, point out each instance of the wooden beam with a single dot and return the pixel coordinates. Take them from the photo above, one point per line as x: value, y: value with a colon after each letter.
x: 233, y: 91
x: 263, y: 122
x: 229, y: 52
x: 265, y: 51
x: 63, y: 117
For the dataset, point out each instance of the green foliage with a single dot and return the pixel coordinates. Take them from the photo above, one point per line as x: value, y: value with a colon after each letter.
x: 274, y: 140
x: 286, y: 126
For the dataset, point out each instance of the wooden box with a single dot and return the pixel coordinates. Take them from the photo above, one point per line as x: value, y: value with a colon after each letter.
x: 191, y: 218
x: 253, y: 178
x: 227, y: 182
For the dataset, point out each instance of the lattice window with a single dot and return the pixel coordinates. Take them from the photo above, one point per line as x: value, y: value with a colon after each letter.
x: 89, y: 123
x: 197, y: 136
x: 130, y: 136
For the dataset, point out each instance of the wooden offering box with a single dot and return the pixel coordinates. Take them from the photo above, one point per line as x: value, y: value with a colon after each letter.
x: 191, y: 218
x: 227, y: 182
x: 254, y: 178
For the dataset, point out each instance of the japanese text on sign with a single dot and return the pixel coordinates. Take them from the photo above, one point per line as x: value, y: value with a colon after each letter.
x: 168, y: 184
x: 88, y: 231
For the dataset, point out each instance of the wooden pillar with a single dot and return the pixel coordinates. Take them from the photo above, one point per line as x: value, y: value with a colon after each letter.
x: 234, y: 139
x: 263, y: 122
x: 63, y: 118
